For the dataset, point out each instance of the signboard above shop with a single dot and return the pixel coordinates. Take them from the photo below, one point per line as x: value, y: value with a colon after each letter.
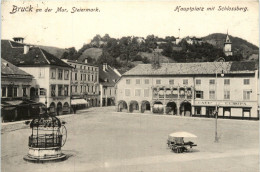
x: 223, y: 103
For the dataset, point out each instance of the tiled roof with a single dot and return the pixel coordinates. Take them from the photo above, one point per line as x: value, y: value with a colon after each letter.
x: 10, y: 70
x: 14, y: 53
x: 110, y: 75
x: 193, y: 68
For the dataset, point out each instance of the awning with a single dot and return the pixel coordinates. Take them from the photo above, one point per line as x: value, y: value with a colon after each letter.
x: 78, y: 101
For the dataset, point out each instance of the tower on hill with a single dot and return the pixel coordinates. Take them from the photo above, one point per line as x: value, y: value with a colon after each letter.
x: 227, y: 46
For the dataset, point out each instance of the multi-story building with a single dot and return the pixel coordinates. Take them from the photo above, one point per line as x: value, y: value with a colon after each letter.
x: 108, y: 77
x: 191, y: 89
x: 84, y: 84
x: 15, y: 97
x: 51, y: 74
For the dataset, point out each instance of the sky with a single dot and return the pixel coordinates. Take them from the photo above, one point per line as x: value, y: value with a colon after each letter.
x: 66, y: 29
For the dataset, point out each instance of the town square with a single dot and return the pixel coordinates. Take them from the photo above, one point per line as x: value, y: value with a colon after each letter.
x: 101, y: 139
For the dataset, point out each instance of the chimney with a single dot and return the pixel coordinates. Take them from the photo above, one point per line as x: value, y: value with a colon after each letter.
x: 86, y: 60
x: 104, y: 66
x: 18, y: 39
x: 26, y: 49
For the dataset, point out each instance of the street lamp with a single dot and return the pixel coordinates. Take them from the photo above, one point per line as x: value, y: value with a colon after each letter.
x: 221, y: 59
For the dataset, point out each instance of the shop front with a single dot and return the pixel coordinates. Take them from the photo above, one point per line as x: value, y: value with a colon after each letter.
x: 226, y: 109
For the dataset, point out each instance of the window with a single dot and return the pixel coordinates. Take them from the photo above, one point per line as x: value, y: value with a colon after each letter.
x: 146, y: 81
x: 104, y: 91
x: 212, y: 82
x: 88, y: 77
x: 53, y: 90
x: 85, y: 77
x: 76, y: 88
x: 171, y: 81
x: 76, y: 76
x: 211, y: 94
x: 110, y: 92
x: 41, y: 72
x: 146, y: 92
x: 199, y: 94
x: 88, y: 88
x: 60, y: 90
x: 226, y: 81
x: 227, y: 94
x: 42, y: 91
x: 60, y: 74
x: 158, y: 81
x: 92, y: 78
x: 53, y: 73
x: 246, y: 81
x: 24, y: 92
x: 92, y: 89
x: 226, y: 111
x: 85, y: 88
x: 15, y: 91
x: 246, y: 95
x: 198, y: 82
x: 246, y: 112
x: 3, y: 91
x: 197, y: 110
x: 66, y: 90
x: 81, y: 77
x: 185, y: 82
x: 10, y: 91
x: 66, y: 74
x: 127, y: 92
x: 137, y: 81
x: 137, y: 92
x: 128, y: 81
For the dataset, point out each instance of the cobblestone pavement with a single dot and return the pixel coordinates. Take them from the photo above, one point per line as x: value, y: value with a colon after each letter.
x: 100, y: 139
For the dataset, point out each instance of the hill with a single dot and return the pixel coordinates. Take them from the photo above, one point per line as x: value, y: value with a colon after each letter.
x: 239, y: 45
x: 94, y: 53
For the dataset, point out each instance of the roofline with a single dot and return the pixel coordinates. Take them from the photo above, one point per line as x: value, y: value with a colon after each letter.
x: 73, y: 61
x: 45, y: 65
x: 44, y: 55
x: 211, y: 74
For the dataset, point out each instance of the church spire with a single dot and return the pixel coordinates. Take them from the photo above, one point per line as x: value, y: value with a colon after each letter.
x: 227, y: 38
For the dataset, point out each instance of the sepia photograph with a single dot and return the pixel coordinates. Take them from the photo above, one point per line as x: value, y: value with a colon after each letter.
x: 130, y: 86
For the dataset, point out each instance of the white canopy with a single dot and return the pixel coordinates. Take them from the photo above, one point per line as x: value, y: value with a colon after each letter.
x: 182, y: 134
x: 78, y: 101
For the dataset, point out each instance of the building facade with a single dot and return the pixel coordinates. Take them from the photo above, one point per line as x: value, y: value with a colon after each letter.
x: 84, y: 84
x: 52, y: 75
x: 191, y: 89
x: 15, y: 96
x: 108, y: 77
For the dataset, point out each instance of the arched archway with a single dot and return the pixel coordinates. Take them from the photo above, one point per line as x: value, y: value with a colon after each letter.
x: 171, y: 108
x: 92, y: 102
x: 145, y: 106
x: 122, y: 106
x: 32, y: 93
x: 185, y: 109
x: 52, y: 107
x: 157, y: 107
x: 59, y: 108
x: 133, y: 106
x: 66, y: 107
